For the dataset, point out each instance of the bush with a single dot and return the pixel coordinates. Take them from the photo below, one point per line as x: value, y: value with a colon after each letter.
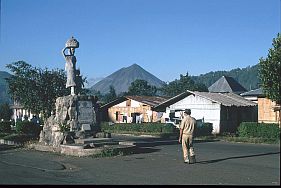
x: 204, y: 130
x: 5, y: 126
x: 136, y: 127
x: 262, y: 130
x: 27, y: 127
x: 20, y: 138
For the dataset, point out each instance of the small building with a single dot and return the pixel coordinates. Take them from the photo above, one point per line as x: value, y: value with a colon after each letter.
x: 132, y: 109
x: 226, y: 84
x: 224, y: 110
x: 19, y: 112
x: 267, y: 109
x: 253, y: 95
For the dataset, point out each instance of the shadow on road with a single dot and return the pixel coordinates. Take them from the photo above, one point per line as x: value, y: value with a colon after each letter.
x: 207, y: 140
x: 140, y: 150
x: 238, y: 157
x: 7, y: 147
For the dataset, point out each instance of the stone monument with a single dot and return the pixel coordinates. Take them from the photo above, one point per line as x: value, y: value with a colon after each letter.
x: 70, y: 65
x: 75, y: 116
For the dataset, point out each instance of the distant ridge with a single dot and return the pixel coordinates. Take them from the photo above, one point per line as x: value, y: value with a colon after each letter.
x: 247, y: 77
x: 122, y: 79
x: 4, y: 96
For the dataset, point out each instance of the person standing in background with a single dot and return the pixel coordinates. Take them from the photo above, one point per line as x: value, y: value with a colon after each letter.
x: 187, y: 127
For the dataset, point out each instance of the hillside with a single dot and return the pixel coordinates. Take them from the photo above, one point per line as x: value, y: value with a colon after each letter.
x: 4, y: 96
x: 122, y: 79
x: 247, y: 77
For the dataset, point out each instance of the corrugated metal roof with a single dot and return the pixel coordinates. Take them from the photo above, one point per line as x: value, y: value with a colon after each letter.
x: 225, y: 99
x: 255, y: 92
x: 149, y: 100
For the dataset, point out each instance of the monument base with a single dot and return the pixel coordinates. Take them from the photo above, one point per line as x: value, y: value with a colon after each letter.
x: 75, y: 118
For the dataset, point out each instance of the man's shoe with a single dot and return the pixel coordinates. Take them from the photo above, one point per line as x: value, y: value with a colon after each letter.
x: 186, y: 161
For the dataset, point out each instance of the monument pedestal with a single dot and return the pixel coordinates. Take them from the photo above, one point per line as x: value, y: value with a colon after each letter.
x: 75, y: 118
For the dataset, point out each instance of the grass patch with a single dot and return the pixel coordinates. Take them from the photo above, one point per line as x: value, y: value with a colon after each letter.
x: 108, y: 152
x: 162, y: 135
x: 254, y: 140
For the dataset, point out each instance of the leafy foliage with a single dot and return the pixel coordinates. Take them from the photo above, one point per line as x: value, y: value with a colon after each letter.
x: 141, y: 87
x: 204, y: 130
x: 142, y: 128
x: 184, y: 83
x: 247, y: 77
x: 28, y: 127
x: 270, y: 71
x: 5, y: 111
x: 36, y: 89
x: 4, y: 96
x: 5, y: 126
x: 110, y: 96
x: 254, y: 129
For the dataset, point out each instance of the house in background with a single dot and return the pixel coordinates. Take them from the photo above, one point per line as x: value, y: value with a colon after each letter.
x: 226, y: 84
x: 224, y: 110
x: 267, y: 109
x: 20, y: 113
x: 253, y: 95
x: 132, y: 109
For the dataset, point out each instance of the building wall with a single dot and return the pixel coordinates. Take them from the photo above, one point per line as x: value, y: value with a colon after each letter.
x: 231, y: 117
x: 200, y: 109
x: 266, y: 113
x: 127, y: 108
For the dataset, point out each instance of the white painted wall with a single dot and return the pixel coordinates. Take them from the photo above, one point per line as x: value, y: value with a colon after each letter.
x: 200, y: 108
x: 134, y: 104
x: 122, y: 104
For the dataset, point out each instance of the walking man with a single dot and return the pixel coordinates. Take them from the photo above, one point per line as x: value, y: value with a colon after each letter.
x: 186, y: 136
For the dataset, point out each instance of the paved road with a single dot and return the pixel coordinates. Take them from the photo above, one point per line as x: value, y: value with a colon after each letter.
x: 158, y: 163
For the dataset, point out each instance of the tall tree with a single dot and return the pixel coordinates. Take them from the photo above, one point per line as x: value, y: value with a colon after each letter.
x: 184, y: 83
x: 36, y: 89
x: 5, y: 111
x: 141, y: 87
x: 110, y: 96
x: 270, y: 71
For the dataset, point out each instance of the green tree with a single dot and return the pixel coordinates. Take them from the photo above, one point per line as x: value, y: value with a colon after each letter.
x: 270, y: 71
x: 36, y: 89
x: 184, y: 83
x: 5, y: 111
x: 141, y: 87
x: 110, y: 96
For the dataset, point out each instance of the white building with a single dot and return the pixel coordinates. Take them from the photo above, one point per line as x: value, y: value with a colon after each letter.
x: 224, y: 110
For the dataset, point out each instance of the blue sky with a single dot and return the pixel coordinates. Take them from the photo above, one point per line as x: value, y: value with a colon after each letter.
x: 165, y: 37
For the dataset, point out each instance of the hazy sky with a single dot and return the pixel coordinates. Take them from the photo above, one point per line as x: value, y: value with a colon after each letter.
x: 165, y: 37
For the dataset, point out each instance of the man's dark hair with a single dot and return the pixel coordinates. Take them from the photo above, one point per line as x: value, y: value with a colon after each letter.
x: 187, y: 111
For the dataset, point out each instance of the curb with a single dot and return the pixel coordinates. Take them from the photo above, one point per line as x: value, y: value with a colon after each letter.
x: 10, y: 142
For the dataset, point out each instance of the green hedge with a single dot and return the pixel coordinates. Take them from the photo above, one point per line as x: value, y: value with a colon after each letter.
x: 28, y: 127
x: 5, y: 127
x: 262, y: 130
x: 137, y: 127
x: 204, y: 130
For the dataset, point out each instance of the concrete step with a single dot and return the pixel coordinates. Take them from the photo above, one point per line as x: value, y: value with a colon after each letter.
x: 93, y: 140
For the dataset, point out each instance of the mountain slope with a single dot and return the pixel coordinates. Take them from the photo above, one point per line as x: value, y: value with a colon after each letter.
x: 247, y: 77
x: 122, y: 79
x: 4, y: 96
